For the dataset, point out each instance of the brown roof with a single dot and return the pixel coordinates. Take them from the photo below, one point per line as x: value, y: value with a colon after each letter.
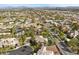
x: 54, y: 49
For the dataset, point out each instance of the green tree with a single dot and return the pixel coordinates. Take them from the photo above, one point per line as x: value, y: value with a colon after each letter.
x: 75, y: 26
x: 50, y: 42
x: 45, y: 33
x: 61, y: 34
x: 13, y: 31
x: 22, y: 39
x: 73, y: 44
x: 30, y: 32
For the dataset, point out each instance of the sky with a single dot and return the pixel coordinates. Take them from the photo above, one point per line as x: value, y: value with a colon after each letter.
x: 37, y: 5
x: 39, y: 1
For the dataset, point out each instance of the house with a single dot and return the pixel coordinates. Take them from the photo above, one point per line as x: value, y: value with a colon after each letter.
x: 11, y: 22
x: 48, y: 50
x: 49, y: 21
x: 67, y: 39
x: 40, y: 39
x: 74, y: 34
x: 28, y: 21
x: 5, y: 33
x: 8, y: 42
x: 1, y: 23
x: 64, y: 49
x: 25, y: 50
x: 27, y: 43
x: 19, y: 31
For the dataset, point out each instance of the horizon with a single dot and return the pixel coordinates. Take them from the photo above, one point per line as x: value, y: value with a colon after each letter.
x: 37, y: 5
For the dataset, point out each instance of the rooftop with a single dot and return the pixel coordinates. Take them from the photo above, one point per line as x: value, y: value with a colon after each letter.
x: 25, y: 50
